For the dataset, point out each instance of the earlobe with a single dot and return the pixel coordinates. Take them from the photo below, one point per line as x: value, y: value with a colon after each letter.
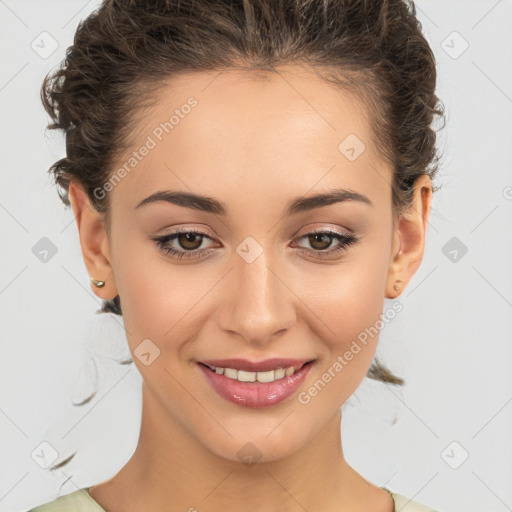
x: 93, y: 241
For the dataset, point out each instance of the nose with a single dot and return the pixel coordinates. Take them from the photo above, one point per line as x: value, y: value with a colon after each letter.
x: 259, y: 305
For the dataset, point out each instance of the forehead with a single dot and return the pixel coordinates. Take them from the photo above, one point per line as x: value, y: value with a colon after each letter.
x: 257, y: 128
x: 291, y: 98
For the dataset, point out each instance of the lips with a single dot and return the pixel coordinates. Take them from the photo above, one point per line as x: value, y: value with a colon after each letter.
x: 255, y: 366
x: 256, y: 394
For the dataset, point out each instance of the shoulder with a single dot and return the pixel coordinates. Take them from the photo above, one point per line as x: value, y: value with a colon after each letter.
x: 77, y: 501
x: 403, y: 504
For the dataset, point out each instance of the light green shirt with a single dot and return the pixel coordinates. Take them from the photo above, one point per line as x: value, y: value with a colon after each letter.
x: 82, y: 501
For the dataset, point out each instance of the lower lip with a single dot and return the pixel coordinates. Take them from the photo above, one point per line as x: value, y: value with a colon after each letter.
x: 256, y: 394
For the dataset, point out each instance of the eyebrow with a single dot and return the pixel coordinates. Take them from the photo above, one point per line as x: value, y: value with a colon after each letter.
x: 211, y: 205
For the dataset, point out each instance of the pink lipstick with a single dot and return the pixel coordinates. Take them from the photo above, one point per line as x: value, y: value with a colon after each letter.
x: 255, y: 384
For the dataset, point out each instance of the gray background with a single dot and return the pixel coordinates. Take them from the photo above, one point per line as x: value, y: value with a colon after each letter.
x: 444, y: 439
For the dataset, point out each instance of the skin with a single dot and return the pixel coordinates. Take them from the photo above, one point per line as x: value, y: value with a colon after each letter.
x: 253, y: 144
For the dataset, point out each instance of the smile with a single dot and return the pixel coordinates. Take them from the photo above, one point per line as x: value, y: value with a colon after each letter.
x: 256, y: 389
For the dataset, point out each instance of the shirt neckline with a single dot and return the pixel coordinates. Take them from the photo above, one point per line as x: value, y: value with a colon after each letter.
x: 86, y: 489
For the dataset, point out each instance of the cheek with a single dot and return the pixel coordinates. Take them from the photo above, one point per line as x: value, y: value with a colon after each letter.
x: 360, y: 299
x: 350, y: 312
x: 350, y: 307
x: 155, y: 294
x: 166, y: 303
x: 352, y: 296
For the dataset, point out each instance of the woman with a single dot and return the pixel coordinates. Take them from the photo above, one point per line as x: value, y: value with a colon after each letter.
x: 250, y: 180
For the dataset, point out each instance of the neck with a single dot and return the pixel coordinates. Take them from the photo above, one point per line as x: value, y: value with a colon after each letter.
x: 171, y: 470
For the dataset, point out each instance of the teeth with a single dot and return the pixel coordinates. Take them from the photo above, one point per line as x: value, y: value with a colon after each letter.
x: 243, y: 376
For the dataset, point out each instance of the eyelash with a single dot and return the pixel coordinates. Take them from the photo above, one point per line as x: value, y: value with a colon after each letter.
x: 161, y: 242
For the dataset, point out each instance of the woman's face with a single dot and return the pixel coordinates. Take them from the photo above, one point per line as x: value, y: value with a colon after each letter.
x: 253, y: 285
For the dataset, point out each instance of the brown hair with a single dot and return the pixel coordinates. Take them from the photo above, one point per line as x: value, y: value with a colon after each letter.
x: 125, y: 49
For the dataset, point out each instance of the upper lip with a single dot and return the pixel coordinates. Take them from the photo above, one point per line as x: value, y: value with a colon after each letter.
x: 256, y: 366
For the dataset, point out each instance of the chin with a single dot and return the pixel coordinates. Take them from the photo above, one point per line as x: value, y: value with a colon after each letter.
x: 256, y: 447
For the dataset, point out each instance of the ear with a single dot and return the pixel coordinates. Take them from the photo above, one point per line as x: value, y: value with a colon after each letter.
x: 409, y: 238
x: 94, y: 241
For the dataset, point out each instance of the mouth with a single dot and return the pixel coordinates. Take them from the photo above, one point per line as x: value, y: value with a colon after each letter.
x: 256, y: 389
x: 256, y: 366
x: 268, y: 371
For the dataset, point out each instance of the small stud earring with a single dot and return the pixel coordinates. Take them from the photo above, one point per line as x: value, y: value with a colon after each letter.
x: 97, y: 283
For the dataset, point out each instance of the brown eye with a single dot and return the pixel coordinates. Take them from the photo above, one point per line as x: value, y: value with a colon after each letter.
x: 190, y: 241
x: 320, y: 241
x: 183, y: 244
